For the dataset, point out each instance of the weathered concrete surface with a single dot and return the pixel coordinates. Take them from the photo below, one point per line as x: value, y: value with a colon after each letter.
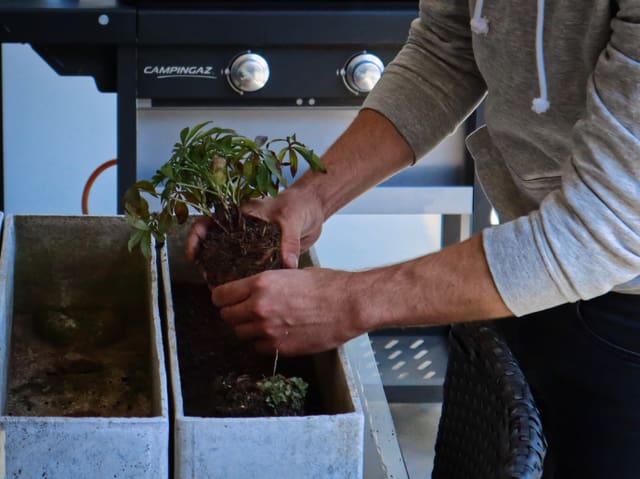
x: 81, y: 262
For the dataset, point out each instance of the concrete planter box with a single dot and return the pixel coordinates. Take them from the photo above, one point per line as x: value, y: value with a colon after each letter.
x: 318, y: 446
x: 105, y: 412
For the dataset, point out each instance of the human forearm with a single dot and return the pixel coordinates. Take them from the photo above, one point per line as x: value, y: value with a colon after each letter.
x: 433, y: 83
x: 323, y: 308
x: 451, y: 285
x: 368, y: 152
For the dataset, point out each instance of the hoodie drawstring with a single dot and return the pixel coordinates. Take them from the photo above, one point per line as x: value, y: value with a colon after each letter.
x: 480, y: 26
x: 540, y: 104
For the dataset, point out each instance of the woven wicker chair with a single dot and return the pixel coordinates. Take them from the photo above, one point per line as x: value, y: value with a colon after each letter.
x: 490, y: 427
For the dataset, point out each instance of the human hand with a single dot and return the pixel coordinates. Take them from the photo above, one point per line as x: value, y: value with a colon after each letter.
x: 295, y: 311
x: 196, y: 234
x: 300, y: 219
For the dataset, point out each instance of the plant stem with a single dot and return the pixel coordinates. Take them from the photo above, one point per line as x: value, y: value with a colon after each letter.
x: 200, y: 188
x: 215, y: 220
x: 275, y: 363
x: 204, y: 211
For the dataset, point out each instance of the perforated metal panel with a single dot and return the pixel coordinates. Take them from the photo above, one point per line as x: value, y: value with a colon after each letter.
x: 412, y: 363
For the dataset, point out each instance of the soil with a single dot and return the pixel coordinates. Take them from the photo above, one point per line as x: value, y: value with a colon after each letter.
x: 219, y: 372
x: 79, y: 363
x: 232, y: 251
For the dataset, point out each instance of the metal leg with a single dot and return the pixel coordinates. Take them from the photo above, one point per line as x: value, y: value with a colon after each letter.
x: 451, y: 229
x: 1, y: 137
x: 126, y: 128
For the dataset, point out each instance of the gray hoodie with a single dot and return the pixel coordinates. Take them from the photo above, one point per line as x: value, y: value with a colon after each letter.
x: 559, y: 157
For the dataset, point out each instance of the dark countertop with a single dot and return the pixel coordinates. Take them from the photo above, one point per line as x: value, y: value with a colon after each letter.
x: 102, y: 22
x: 67, y: 21
x: 58, y: 4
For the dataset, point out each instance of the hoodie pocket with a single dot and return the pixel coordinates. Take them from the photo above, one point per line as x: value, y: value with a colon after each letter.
x: 536, y: 180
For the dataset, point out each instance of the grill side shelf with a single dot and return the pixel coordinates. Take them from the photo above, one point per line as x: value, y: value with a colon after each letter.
x: 412, y: 363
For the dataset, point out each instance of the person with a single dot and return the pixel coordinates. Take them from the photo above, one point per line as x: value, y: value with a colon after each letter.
x: 559, y: 159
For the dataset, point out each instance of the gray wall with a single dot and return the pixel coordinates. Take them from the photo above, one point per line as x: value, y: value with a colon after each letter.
x: 57, y: 130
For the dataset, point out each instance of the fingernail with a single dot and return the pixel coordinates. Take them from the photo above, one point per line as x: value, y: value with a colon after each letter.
x: 292, y: 260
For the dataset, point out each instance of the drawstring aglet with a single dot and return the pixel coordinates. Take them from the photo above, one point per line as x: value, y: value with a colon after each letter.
x: 479, y: 25
x: 540, y: 105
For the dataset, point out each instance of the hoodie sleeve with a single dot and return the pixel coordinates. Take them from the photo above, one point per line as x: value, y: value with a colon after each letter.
x: 433, y: 84
x: 584, y: 240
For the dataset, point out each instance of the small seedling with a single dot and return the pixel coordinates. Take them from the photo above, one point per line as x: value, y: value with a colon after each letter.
x: 283, y: 391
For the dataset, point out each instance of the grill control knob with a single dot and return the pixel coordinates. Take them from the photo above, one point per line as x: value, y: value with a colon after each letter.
x: 361, y: 72
x: 248, y: 72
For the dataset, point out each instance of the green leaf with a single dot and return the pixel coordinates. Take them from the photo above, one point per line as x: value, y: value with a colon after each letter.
x: 191, y: 197
x: 183, y: 135
x: 169, y: 190
x: 263, y: 179
x: 248, y: 170
x: 166, y: 170
x: 280, y: 390
x: 181, y: 211
x: 215, y: 131
x: 194, y: 131
x: 274, y: 166
x: 146, y: 186
x: 137, y: 223
x: 135, y: 239
x: 136, y: 206
x: 165, y: 222
x: 293, y: 162
x: 313, y: 159
x: 132, y: 198
x: 145, y: 244
x: 144, y: 209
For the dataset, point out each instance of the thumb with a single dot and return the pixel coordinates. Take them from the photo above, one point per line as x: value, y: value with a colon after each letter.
x: 290, y: 247
x: 196, y: 234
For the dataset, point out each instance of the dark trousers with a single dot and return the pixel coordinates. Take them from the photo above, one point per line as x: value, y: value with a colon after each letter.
x: 582, y: 362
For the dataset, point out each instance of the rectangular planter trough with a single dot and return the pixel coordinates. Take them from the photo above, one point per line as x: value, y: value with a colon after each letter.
x: 325, y: 443
x: 82, y: 382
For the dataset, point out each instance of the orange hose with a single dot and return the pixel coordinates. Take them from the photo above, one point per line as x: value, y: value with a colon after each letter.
x: 89, y: 184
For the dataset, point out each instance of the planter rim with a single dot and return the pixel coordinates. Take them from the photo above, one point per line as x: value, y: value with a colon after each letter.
x: 85, y: 419
x: 307, y: 418
x: 154, y: 320
x: 139, y: 445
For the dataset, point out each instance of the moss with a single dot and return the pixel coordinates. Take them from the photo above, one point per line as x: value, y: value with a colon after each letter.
x: 89, y: 327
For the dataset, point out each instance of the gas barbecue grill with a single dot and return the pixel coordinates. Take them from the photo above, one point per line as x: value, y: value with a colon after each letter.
x: 256, y: 53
